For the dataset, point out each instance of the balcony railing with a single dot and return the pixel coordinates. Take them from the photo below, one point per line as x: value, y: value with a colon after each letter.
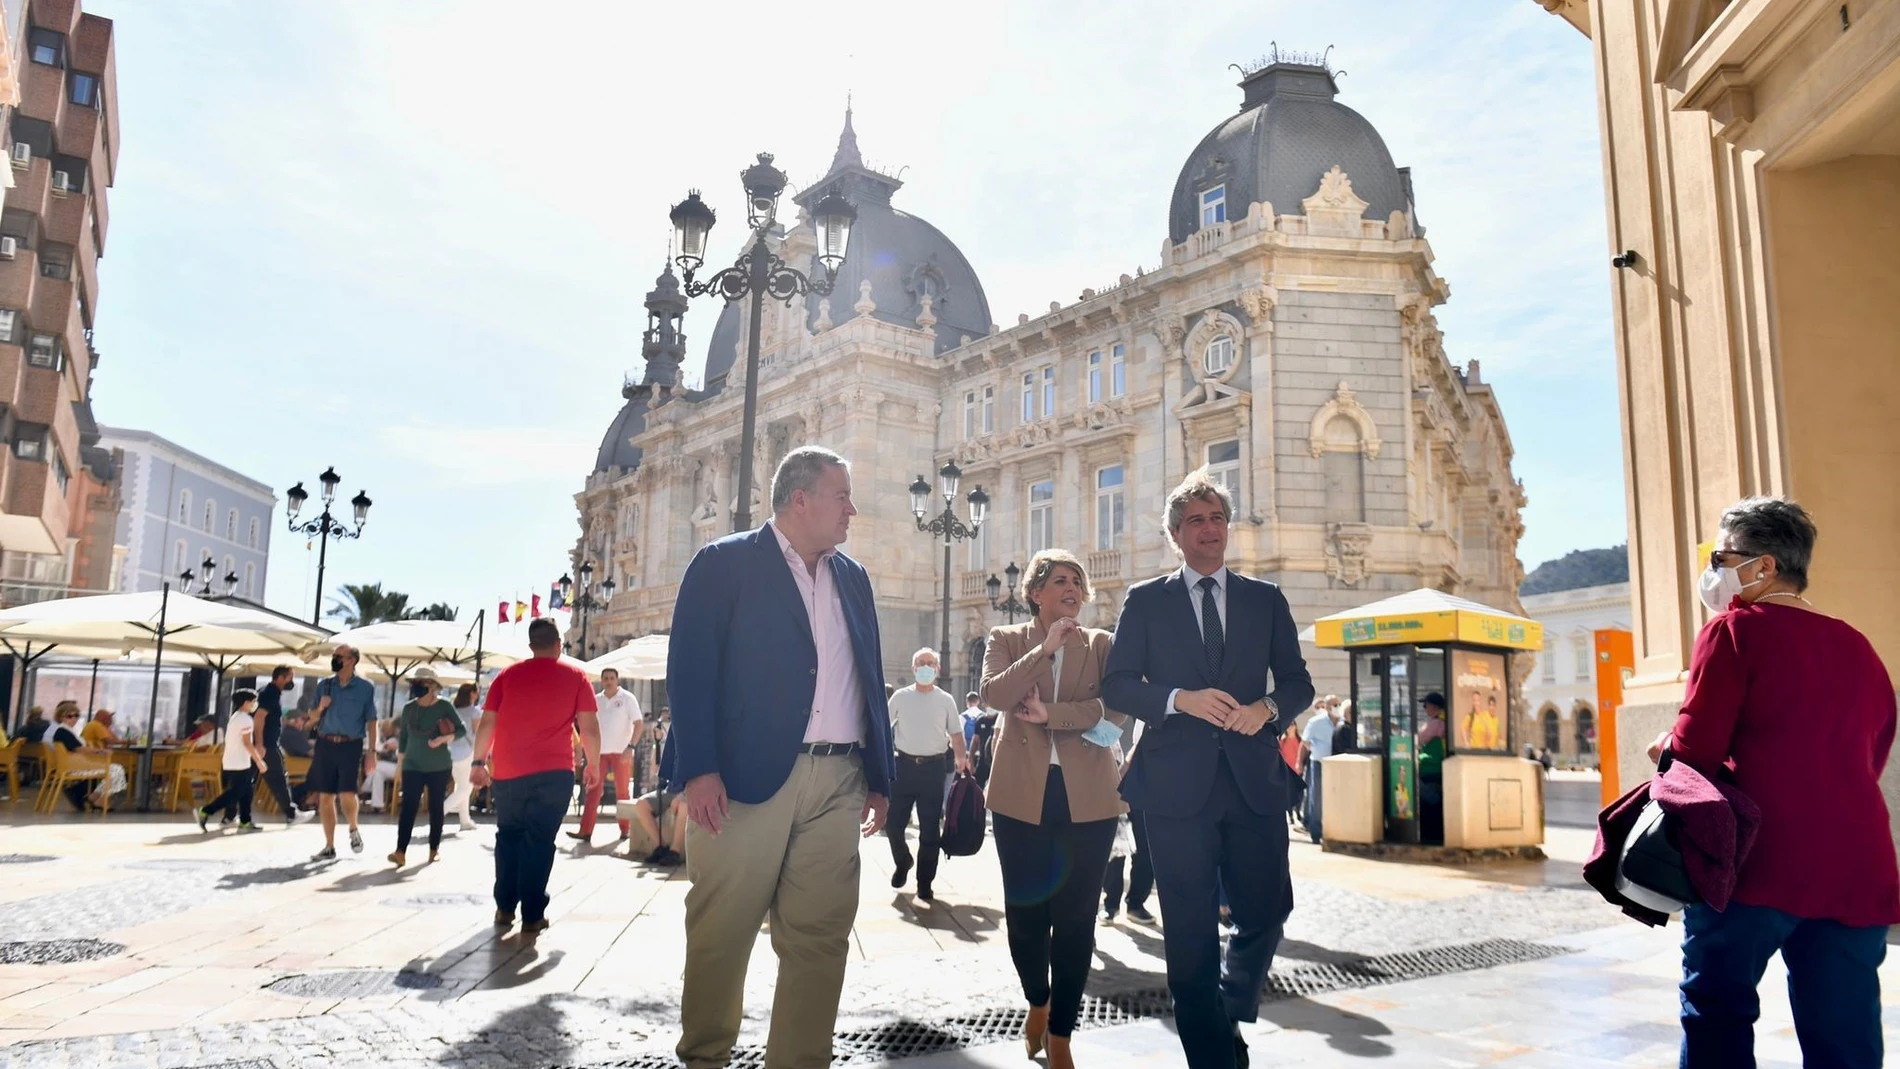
x: 971, y: 585
x: 1105, y: 564
x: 1208, y: 238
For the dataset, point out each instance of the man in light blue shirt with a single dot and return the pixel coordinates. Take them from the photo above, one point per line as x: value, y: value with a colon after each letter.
x: 345, y: 748
x: 1316, y: 745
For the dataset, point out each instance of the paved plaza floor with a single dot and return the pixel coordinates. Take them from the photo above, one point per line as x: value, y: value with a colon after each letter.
x: 237, y: 951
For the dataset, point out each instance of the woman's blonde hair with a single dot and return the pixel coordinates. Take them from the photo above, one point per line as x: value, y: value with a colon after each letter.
x: 1040, y: 567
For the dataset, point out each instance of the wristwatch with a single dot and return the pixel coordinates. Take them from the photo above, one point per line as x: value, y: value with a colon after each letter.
x: 1273, y: 709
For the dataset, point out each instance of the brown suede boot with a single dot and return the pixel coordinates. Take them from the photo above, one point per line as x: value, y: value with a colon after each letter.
x: 1059, y: 1053
x: 1036, y: 1029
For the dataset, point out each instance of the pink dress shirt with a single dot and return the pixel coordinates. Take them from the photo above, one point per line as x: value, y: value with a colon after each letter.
x: 837, y: 712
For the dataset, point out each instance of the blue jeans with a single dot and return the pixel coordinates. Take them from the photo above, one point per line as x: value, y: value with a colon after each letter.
x: 1833, y: 986
x: 1314, y: 792
x: 528, y: 812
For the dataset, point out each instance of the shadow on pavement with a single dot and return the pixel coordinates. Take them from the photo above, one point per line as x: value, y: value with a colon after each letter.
x: 380, y: 877
x: 302, y: 870
x: 1348, y: 1033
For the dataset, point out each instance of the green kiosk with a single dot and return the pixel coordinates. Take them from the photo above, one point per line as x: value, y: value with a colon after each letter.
x: 1432, y: 760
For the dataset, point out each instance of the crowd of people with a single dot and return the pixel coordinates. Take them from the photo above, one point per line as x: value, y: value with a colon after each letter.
x: 1161, y: 758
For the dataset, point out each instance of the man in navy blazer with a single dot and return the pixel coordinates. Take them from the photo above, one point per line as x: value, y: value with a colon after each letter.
x: 1192, y: 655
x: 782, y: 747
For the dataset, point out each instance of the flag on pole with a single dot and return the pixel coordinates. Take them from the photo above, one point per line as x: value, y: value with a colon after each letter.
x: 536, y: 610
x: 501, y: 613
x: 555, y: 600
x: 521, y: 611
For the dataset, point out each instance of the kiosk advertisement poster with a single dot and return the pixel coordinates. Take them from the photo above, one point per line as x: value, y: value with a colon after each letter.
x: 1401, y: 759
x: 1478, y: 701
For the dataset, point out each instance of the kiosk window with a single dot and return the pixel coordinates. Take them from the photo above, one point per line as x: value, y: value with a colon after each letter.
x: 1479, y: 713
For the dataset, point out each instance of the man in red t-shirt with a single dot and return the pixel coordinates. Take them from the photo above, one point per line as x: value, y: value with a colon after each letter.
x: 534, y: 709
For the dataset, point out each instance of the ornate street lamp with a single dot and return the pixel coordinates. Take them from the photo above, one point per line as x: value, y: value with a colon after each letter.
x: 758, y: 274
x: 950, y: 528
x: 325, y: 526
x: 190, y: 583
x: 1010, y: 607
x: 585, y: 604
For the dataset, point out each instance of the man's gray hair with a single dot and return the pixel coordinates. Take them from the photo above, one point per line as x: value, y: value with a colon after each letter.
x: 1198, y: 486
x: 800, y: 470
x: 921, y: 652
x: 1774, y: 527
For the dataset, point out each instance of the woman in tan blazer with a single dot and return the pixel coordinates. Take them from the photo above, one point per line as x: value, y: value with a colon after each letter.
x: 1053, y: 793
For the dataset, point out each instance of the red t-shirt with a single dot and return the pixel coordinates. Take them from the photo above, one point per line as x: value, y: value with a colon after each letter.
x: 1800, y: 706
x: 534, y: 705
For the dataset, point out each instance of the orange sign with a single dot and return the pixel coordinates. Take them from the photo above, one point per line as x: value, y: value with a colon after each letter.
x: 1616, y: 660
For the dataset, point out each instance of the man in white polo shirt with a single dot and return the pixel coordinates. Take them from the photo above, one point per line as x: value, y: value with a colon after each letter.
x: 927, y: 728
x: 619, y: 730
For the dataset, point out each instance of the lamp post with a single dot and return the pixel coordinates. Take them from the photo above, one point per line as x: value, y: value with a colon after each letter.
x: 187, y: 580
x: 1011, y: 607
x: 757, y: 274
x: 325, y: 526
x: 951, y: 529
x: 584, y: 605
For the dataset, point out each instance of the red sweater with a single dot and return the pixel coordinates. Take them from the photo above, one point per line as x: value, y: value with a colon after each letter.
x: 1800, y: 706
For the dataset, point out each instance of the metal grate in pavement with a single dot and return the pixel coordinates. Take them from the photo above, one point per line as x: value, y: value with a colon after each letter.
x: 248, y: 1063
x: 910, y: 1039
x: 446, y: 900
x: 23, y: 859
x: 353, y: 983
x: 57, y: 951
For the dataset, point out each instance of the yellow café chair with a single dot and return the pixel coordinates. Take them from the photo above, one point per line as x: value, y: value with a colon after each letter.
x: 66, y: 767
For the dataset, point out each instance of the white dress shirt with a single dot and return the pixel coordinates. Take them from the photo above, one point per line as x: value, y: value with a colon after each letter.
x: 1195, y: 596
x: 1055, y: 684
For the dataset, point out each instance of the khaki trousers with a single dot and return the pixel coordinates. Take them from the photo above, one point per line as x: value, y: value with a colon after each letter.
x: 794, y: 858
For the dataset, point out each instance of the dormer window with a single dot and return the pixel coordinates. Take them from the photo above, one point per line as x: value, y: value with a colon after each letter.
x: 1214, y: 205
x: 1219, y: 355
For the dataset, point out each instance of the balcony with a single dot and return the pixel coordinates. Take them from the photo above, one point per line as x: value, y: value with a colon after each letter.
x: 1208, y: 238
x: 1106, y: 565
x: 970, y: 585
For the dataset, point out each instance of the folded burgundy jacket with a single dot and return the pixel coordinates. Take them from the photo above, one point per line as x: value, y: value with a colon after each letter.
x: 1715, y: 826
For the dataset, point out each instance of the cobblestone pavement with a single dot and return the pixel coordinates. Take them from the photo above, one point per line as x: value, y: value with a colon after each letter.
x: 210, y: 921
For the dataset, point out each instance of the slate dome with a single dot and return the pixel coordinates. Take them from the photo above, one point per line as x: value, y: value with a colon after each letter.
x: 1290, y: 131
x: 617, y: 451
x: 903, y: 256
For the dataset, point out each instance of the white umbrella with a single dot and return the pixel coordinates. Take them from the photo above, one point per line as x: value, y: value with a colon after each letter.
x: 216, y: 633
x: 643, y: 658
x: 427, y: 641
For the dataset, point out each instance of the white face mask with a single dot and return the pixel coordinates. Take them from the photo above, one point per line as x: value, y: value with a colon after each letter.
x: 1719, y: 586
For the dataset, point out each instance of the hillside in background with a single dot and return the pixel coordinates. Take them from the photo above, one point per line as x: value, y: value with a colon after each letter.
x: 1577, y: 569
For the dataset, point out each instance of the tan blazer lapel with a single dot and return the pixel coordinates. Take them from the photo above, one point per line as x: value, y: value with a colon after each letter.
x: 1076, y: 658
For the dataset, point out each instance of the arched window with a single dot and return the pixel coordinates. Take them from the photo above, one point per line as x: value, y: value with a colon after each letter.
x: 1219, y: 354
x: 1586, y: 731
x: 211, y: 511
x: 250, y: 581
x: 181, y: 559
x: 1344, y: 466
x: 1553, y: 737
x: 184, y: 506
x: 253, y: 534
x: 230, y: 526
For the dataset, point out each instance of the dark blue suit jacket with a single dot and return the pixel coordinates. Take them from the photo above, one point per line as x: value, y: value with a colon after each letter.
x: 1158, y: 649
x: 741, y: 667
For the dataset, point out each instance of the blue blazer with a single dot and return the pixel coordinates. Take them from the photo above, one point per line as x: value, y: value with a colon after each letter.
x: 1158, y: 648
x: 741, y: 667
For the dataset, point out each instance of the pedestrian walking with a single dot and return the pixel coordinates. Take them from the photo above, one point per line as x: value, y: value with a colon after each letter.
x: 927, y: 731
x: 243, y: 759
x: 619, y: 714
x: 1052, y: 794
x: 270, y: 735
x: 462, y: 756
x: 346, y: 722
x: 1208, y: 774
x: 1821, y: 885
x: 533, y: 710
x: 782, y: 745
x: 424, y: 732
x: 1316, y: 745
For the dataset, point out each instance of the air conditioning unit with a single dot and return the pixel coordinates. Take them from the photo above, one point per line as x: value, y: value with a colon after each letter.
x: 8, y: 247
x: 22, y: 154
x: 62, y: 182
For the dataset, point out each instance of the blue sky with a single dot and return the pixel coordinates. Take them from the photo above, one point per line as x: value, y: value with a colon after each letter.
x: 410, y: 240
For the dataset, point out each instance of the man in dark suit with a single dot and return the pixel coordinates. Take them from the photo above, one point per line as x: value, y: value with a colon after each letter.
x: 782, y: 746
x: 1192, y: 655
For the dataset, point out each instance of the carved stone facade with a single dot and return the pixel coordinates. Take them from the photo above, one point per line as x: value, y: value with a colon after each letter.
x: 1295, y: 355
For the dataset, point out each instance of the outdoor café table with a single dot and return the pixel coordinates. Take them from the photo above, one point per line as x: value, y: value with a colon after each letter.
x: 164, y: 760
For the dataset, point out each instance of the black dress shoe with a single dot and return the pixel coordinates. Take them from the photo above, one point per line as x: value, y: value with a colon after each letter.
x: 924, y: 894
x: 898, y: 877
x: 1240, y: 1051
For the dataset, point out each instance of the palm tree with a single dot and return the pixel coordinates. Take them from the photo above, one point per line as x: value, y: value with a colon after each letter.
x: 358, y: 605
x: 435, y: 611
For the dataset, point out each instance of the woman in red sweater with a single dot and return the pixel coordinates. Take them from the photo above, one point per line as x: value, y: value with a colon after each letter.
x: 1801, y: 708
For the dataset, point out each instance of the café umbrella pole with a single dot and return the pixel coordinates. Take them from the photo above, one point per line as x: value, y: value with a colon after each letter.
x: 92, y: 689
x: 151, y: 714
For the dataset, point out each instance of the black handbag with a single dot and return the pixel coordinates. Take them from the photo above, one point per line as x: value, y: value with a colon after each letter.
x: 963, y: 822
x: 1650, y: 872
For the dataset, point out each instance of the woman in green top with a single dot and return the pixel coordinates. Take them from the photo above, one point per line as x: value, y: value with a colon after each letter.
x: 424, y: 732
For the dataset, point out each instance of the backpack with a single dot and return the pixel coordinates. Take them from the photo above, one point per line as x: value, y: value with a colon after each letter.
x: 963, y: 820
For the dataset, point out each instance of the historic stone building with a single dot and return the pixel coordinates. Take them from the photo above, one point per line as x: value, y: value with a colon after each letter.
x: 1286, y: 341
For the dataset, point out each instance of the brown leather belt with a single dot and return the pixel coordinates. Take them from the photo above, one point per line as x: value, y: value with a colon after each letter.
x: 830, y: 749
x: 339, y: 738
x: 932, y: 759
